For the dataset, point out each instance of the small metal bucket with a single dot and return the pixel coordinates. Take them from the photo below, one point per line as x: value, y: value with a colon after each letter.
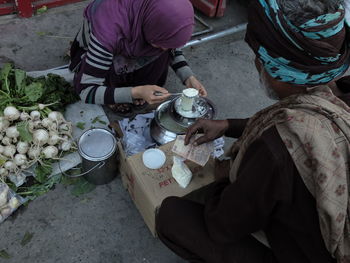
x: 98, y: 149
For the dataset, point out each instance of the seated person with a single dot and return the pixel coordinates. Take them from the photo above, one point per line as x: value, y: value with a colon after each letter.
x: 289, y: 171
x: 123, y: 50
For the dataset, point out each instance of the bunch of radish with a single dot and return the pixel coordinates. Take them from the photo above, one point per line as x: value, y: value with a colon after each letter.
x: 50, y: 135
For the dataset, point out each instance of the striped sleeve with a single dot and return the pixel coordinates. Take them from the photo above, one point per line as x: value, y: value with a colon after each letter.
x: 180, y: 65
x: 91, y: 77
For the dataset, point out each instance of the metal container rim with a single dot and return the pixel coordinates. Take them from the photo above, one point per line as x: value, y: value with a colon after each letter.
x: 96, y: 159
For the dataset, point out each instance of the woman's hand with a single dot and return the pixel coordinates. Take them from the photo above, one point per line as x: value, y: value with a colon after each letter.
x: 212, y: 130
x: 146, y: 93
x: 194, y: 83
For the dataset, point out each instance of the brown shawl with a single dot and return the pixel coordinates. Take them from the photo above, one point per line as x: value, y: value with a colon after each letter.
x: 315, y: 128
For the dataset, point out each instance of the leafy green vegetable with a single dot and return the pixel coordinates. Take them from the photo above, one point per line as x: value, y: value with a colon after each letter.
x: 66, y: 180
x: 81, y: 125
x: 82, y: 187
x: 4, y: 254
x: 20, y: 76
x: 97, y: 119
x: 4, y: 73
x: 26, y: 92
x: 11, y: 185
x: 27, y: 238
x: 24, y: 134
x: 38, y: 189
x: 42, y: 171
x: 34, y: 91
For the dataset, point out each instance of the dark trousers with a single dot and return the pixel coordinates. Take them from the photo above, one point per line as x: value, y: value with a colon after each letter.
x: 181, y: 227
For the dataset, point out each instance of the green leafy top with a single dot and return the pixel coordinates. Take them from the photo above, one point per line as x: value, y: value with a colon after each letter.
x: 26, y: 92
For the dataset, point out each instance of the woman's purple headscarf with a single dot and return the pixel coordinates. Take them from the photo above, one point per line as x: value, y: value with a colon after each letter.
x: 129, y: 27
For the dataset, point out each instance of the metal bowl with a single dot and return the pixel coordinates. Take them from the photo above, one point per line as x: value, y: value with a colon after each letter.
x: 163, y: 128
x: 209, y: 112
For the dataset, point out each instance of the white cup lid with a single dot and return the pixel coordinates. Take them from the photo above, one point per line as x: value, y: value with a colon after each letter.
x: 153, y: 158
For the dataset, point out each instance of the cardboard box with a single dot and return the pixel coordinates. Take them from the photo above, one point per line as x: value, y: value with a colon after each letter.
x: 148, y: 188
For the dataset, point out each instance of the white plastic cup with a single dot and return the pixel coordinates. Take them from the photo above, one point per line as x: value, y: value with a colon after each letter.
x: 187, y: 98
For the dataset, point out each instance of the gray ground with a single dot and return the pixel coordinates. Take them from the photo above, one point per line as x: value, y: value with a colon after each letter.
x: 104, y: 225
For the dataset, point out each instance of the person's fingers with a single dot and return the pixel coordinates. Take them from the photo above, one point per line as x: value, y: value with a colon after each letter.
x: 203, y: 92
x: 196, y: 85
x: 160, y: 89
x: 201, y: 140
x: 158, y: 99
x: 191, y: 131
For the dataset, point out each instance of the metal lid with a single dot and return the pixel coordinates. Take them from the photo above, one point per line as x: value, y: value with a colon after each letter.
x: 97, y: 144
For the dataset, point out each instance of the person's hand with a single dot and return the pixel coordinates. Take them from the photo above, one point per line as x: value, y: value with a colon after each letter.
x: 146, y: 93
x: 212, y: 130
x: 194, y: 83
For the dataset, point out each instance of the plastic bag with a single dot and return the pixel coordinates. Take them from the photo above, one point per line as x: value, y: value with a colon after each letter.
x: 181, y: 173
x: 9, y: 201
x: 136, y: 133
x: 134, y: 143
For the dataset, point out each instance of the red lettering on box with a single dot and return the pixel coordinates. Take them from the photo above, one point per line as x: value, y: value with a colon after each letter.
x: 166, y: 182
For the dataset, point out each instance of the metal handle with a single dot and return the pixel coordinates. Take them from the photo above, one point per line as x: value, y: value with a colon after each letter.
x: 159, y: 93
x: 97, y: 166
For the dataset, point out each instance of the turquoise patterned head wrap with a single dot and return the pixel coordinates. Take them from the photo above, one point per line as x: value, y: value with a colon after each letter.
x: 313, y: 53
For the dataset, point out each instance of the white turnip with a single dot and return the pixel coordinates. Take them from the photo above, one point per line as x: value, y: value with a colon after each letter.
x: 9, y: 151
x: 31, y: 126
x: 4, y: 124
x: 6, y: 141
x: 4, y: 189
x: 50, y: 152
x: 66, y: 146
x: 65, y: 128
x: 40, y: 137
x: 11, y: 113
x: 35, y: 115
x: 56, y: 116
x: 43, y: 106
x: 37, y: 124
x: 20, y: 159
x: 22, y: 147
x: 3, y: 172
x: 46, y: 123
x: 12, y: 132
x: 53, y: 127
x: 5, y: 211
x: 34, y: 153
x: 1, y: 149
x: 14, y: 203
x: 11, y: 166
x: 24, y: 116
x: 54, y: 138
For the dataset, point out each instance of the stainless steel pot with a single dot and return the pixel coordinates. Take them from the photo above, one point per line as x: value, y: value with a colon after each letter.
x: 98, y: 149
x: 163, y: 128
